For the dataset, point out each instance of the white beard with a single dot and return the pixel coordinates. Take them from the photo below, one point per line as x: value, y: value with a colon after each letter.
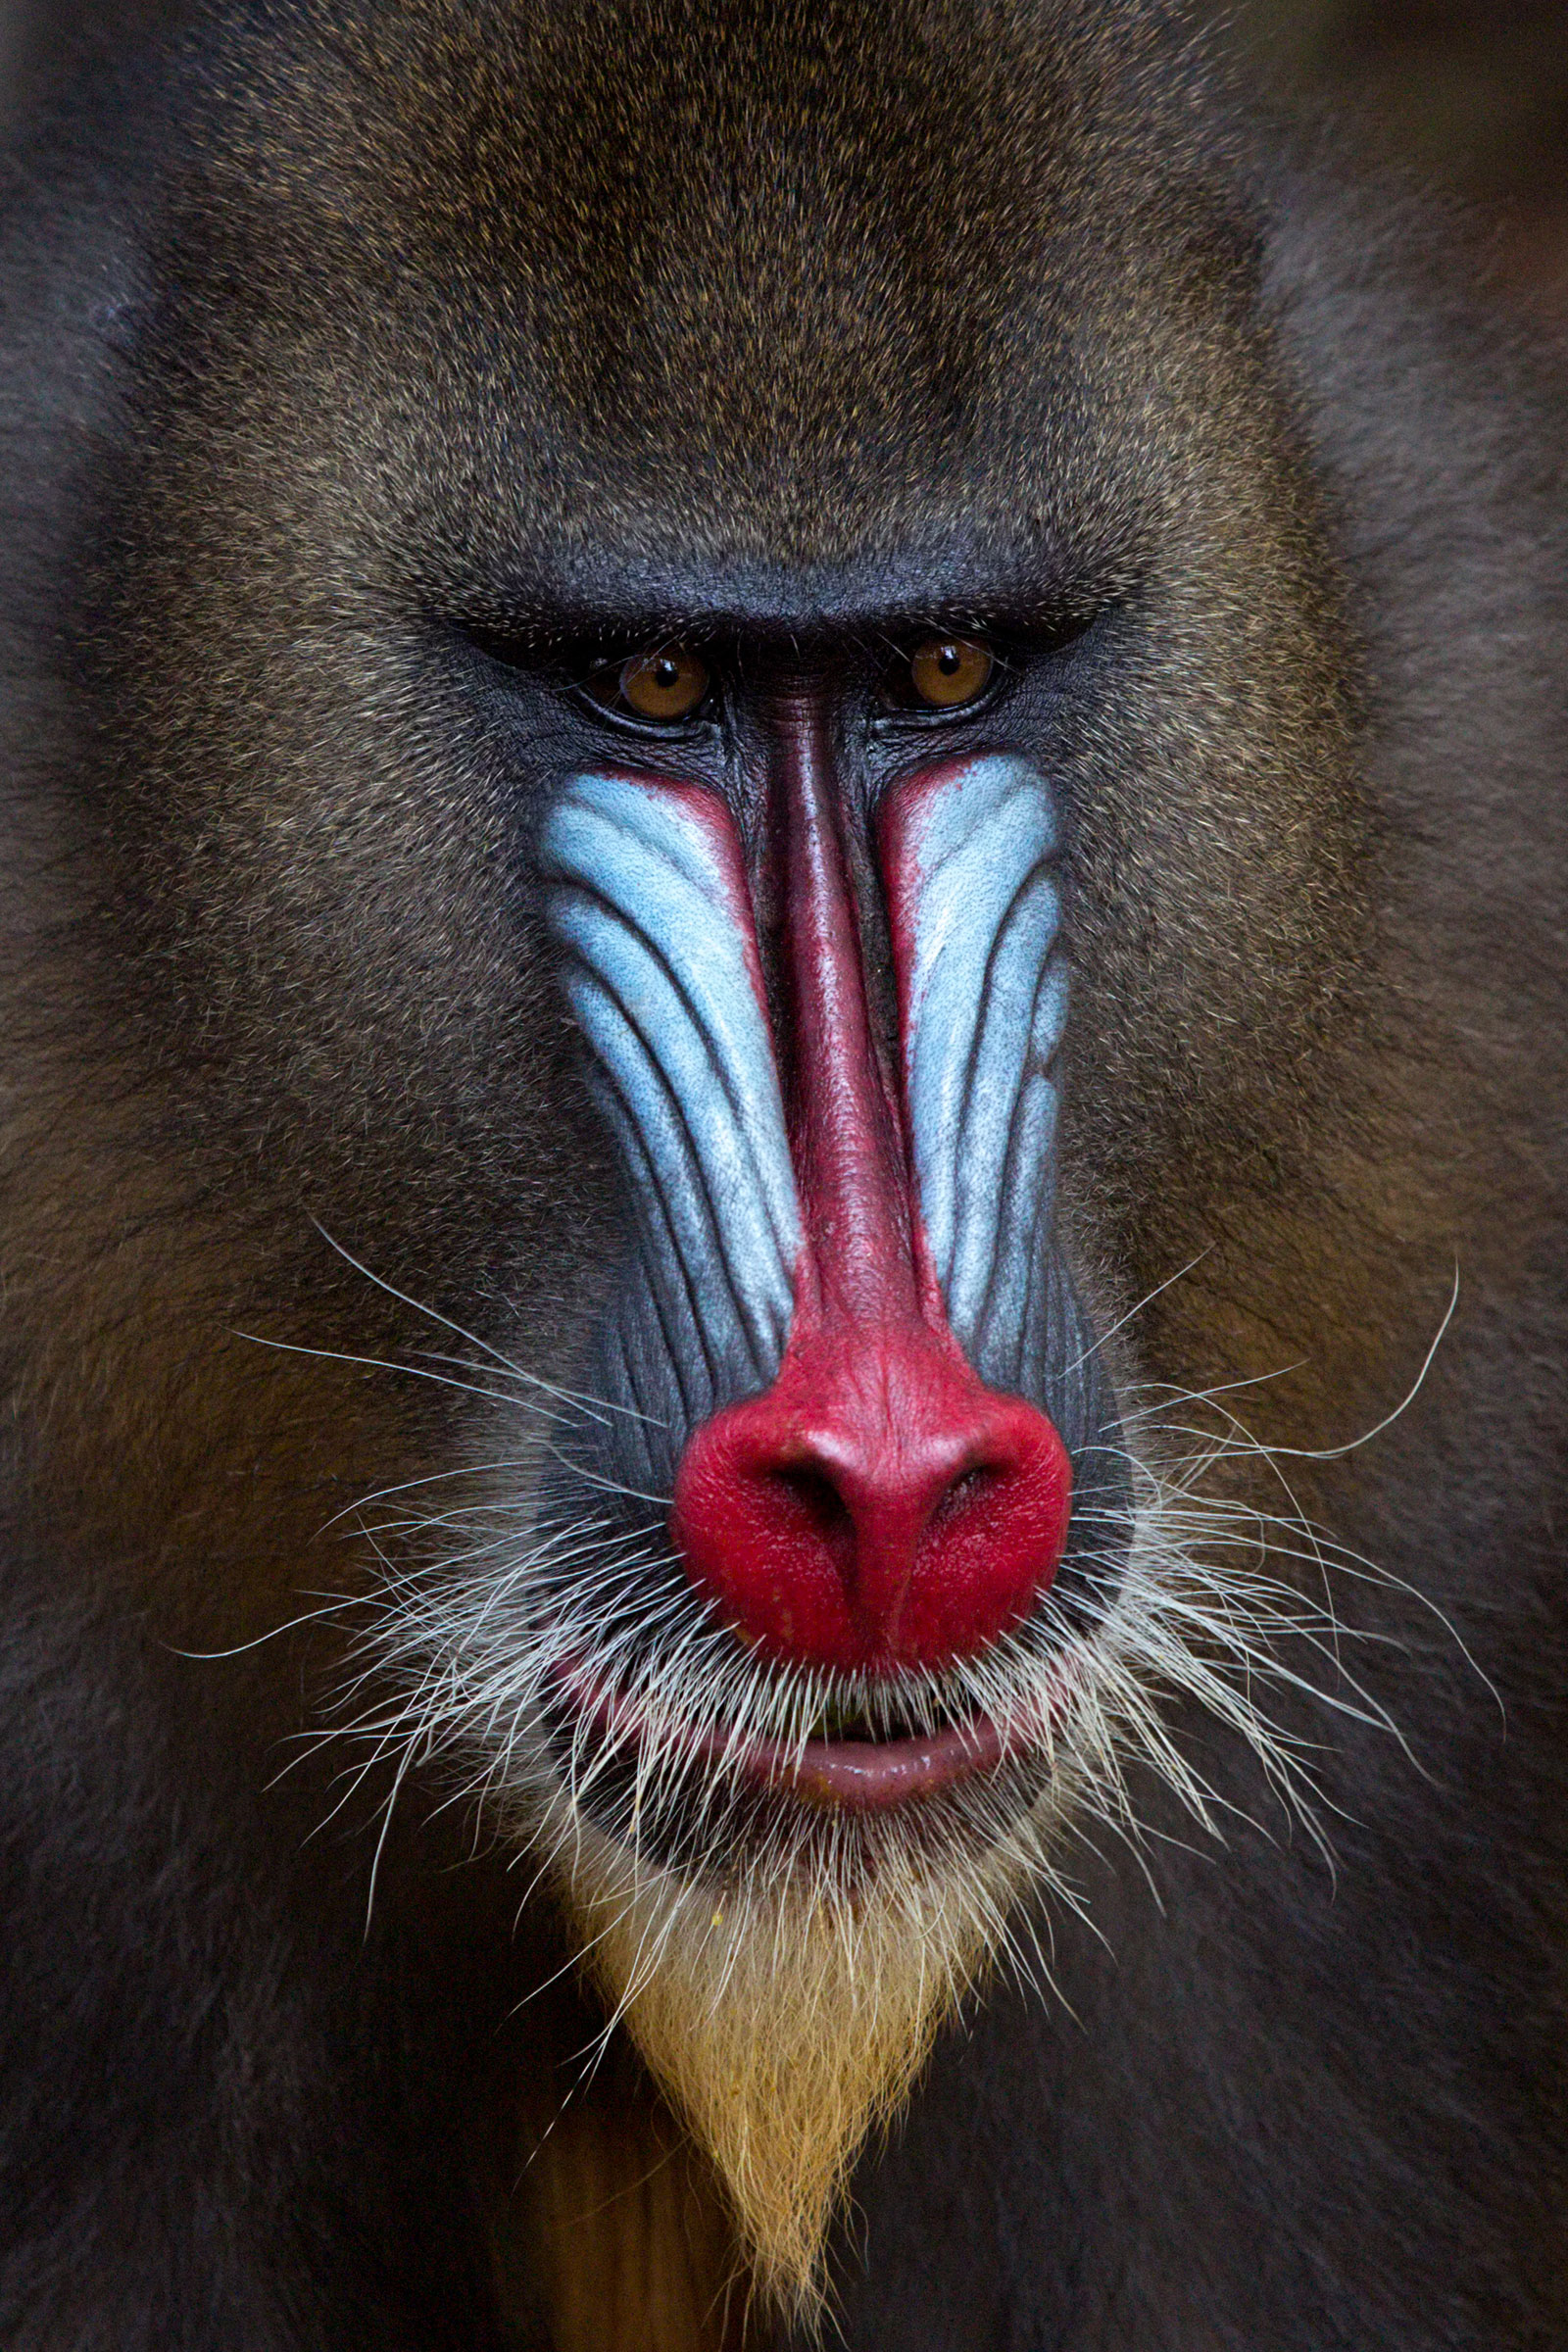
x: 786, y: 2003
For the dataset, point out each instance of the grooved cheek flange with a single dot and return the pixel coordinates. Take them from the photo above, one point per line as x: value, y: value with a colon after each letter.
x: 861, y: 1499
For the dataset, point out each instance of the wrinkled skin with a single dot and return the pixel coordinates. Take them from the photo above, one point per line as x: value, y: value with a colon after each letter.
x: 377, y: 380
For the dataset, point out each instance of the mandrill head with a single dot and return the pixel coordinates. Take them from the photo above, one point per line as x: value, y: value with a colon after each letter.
x: 741, y: 618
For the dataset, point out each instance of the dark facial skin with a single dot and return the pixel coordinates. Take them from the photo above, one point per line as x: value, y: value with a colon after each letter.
x: 380, y: 382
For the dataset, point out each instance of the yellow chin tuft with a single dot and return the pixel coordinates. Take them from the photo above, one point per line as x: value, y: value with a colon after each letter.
x: 784, y: 2024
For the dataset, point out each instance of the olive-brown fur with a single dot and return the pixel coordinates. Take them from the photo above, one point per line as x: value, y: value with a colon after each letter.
x: 347, y: 344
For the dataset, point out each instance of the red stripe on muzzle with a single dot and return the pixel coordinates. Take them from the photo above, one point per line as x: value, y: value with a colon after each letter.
x: 878, y: 1507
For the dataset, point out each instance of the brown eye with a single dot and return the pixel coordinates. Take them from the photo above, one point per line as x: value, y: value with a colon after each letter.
x: 669, y: 684
x: 944, y: 671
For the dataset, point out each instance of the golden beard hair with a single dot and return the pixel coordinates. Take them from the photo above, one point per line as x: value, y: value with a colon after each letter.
x: 783, y: 2023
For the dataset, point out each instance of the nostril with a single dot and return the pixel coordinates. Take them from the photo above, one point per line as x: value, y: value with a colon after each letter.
x: 855, y: 1510
x: 814, y: 1496
x: 877, y: 1507
x: 969, y: 1488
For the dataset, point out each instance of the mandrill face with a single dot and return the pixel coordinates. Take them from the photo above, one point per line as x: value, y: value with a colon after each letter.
x: 758, y: 821
x: 846, y: 1354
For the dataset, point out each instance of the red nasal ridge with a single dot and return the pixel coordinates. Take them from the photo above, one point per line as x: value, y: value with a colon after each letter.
x: 878, y: 1507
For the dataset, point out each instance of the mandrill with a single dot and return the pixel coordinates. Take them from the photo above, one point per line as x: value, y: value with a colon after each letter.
x: 782, y: 1225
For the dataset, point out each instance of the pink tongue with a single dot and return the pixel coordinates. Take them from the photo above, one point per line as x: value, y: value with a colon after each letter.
x: 878, y: 1507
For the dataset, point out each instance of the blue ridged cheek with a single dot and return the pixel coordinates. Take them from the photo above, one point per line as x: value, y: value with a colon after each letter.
x: 646, y: 898
x: 984, y: 986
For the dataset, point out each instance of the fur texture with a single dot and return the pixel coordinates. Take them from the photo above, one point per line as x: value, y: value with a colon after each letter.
x: 361, y: 364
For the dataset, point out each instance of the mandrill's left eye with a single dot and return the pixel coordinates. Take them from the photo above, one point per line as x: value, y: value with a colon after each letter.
x: 663, y: 686
x: 945, y: 672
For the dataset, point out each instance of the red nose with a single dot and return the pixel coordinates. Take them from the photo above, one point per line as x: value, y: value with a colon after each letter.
x: 877, y: 1507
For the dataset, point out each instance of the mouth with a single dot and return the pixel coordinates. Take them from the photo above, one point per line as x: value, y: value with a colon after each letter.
x: 852, y: 1768
x: 871, y: 1775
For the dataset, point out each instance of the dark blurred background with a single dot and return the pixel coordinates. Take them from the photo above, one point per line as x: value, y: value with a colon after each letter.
x: 1472, y: 93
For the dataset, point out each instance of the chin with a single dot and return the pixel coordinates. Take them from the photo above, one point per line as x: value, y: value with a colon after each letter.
x: 785, y: 1879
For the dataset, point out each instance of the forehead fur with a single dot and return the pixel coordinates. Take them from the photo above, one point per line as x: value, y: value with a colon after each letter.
x: 796, y: 260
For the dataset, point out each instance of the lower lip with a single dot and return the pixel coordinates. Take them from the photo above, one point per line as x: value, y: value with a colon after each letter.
x: 846, y: 1776
x: 873, y: 1776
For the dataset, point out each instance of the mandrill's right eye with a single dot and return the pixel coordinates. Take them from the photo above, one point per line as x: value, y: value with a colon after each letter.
x: 662, y: 687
